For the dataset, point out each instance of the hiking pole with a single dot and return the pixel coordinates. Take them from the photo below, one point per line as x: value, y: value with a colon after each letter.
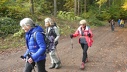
x: 58, y: 57
x: 71, y: 43
x: 28, y: 62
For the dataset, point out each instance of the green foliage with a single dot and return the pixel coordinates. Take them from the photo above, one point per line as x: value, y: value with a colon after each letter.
x: 101, y: 2
x: 2, y: 2
x: 68, y: 15
x: 8, y: 26
x: 20, y: 34
x: 67, y: 27
x: 69, y: 4
x: 104, y: 16
x: 14, y: 9
x: 95, y: 22
x: 44, y: 6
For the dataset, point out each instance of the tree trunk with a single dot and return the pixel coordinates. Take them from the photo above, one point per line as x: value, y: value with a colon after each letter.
x: 55, y: 8
x: 78, y: 7
x: 85, y: 6
x: 32, y: 6
x: 75, y: 7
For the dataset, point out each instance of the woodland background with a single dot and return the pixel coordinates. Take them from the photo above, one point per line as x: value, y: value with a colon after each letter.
x: 66, y: 13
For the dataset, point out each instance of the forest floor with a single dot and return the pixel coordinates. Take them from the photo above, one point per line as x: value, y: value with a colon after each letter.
x: 108, y: 53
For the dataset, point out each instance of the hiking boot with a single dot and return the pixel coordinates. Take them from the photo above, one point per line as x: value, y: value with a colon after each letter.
x: 82, y: 66
x: 58, y: 65
x: 52, y: 66
x: 86, y: 60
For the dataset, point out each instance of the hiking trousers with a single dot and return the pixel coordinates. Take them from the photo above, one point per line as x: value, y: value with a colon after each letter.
x: 112, y: 27
x: 40, y: 66
x: 84, y: 48
x: 53, y: 56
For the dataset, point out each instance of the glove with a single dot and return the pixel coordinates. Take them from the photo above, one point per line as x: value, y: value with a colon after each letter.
x: 56, y: 43
x: 22, y: 57
x: 71, y: 36
x: 89, y: 34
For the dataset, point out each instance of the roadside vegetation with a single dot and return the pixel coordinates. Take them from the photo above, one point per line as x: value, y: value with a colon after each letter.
x: 67, y: 14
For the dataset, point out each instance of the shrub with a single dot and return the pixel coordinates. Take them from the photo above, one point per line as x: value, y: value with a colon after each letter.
x: 8, y: 26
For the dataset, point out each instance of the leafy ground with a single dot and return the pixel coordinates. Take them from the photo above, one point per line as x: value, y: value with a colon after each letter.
x: 108, y: 53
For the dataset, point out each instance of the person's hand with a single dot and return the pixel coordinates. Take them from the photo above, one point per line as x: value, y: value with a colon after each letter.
x: 23, y: 58
x: 30, y: 60
x: 71, y: 36
x: 56, y: 42
x: 89, y: 34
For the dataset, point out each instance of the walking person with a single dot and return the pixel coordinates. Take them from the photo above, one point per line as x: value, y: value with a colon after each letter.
x: 85, y: 40
x: 119, y: 22
x: 52, y: 32
x: 122, y: 23
x: 112, y: 22
x: 35, y: 53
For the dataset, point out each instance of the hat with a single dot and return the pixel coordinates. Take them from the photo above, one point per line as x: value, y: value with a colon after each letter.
x: 82, y: 22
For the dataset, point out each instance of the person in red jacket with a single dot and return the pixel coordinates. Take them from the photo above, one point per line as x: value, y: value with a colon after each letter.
x: 85, y: 40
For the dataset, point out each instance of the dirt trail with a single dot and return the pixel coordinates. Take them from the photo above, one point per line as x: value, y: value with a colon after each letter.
x: 108, y: 54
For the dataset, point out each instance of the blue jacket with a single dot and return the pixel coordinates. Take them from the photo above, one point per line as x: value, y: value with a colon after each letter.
x: 35, y: 48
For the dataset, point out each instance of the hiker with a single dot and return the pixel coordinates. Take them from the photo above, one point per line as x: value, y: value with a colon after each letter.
x: 122, y: 23
x: 119, y: 22
x: 85, y: 40
x: 35, y: 53
x: 52, y: 32
x: 112, y: 22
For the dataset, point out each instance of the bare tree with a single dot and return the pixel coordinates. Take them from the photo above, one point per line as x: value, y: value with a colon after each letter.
x: 32, y: 6
x: 75, y: 7
x: 55, y: 8
x: 85, y: 6
x: 78, y: 7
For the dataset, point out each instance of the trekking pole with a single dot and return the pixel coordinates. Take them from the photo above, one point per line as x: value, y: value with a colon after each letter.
x: 33, y: 67
x: 71, y: 43
x: 28, y: 62
x: 58, y: 57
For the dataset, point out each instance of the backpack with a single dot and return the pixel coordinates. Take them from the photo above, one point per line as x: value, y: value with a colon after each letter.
x: 53, y: 33
x: 47, y: 41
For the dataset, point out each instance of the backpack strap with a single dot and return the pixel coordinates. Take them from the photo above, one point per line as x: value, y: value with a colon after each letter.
x: 34, y: 35
x: 52, y: 32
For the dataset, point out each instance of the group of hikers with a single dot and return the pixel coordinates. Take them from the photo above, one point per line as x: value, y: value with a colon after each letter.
x: 121, y: 23
x: 36, y: 45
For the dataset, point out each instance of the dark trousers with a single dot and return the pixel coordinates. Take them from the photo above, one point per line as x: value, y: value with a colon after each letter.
x: 112, y: 27
x: 85, y: 48
x: 40, y: 66
x: 122, y: 25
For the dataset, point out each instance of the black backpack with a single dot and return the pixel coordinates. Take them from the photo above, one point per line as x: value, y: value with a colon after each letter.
x: 47, y: 41
x: 52, y: 33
